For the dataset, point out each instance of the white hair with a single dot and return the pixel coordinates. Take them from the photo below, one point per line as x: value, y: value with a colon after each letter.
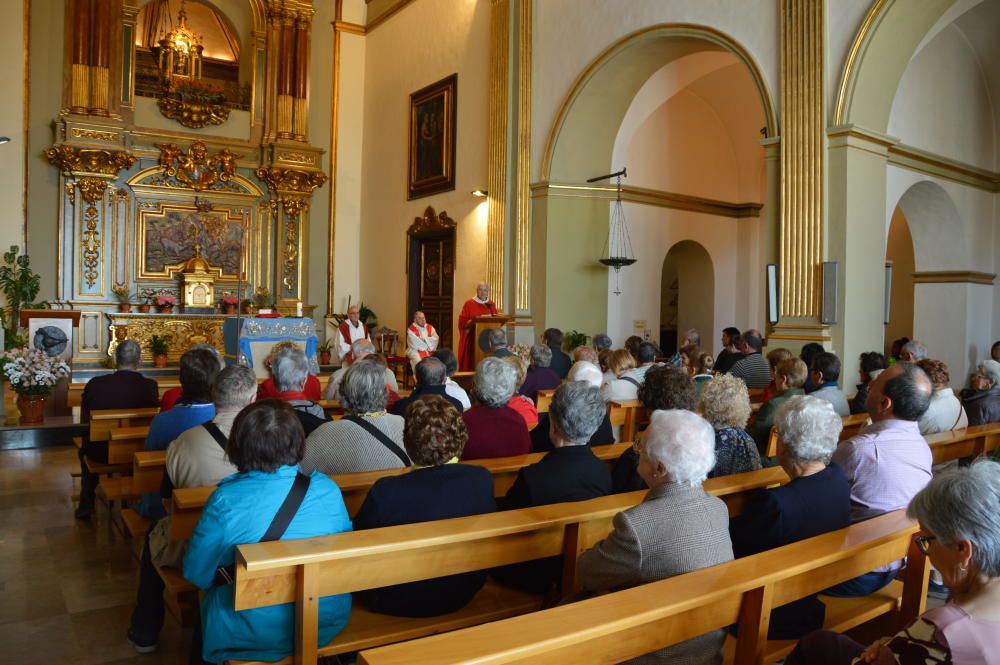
x: 683, y: 442
x: 990, y: 369
x: 586, y: 371
x: 915, y: 347
x: 809, y: 428
x: 495, y: 382
x: 361, y: 348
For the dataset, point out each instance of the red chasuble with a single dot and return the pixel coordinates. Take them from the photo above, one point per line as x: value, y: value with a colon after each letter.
x: 466, y: 343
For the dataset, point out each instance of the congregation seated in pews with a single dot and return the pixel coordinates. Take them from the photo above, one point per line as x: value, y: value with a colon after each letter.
x: 430, y: 547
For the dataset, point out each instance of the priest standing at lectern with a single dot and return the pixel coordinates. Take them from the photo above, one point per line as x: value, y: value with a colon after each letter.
x: 421, y: 340
x: 351, y: 331
x: 481, y: 305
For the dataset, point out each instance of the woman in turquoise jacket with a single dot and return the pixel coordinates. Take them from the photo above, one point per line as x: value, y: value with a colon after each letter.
x: 266, y: 445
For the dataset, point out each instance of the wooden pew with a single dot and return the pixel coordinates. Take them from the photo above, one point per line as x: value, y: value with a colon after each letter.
x: 464, y: 379
x: 274, y: 573
x: 123, y: 444
x: 626, y: 624
x: 544, y: 400
x: 852, y: 425
x: 968, y: 442
x: 102, y: 421
x: 634, y: 415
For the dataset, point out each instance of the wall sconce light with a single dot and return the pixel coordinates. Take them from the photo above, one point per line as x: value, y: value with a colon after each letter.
x: 481, y: 193
x: 4, y: 139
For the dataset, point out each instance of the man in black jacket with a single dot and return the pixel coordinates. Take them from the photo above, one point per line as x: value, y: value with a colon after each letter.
x: 553, y: 338
x: 431, y: 375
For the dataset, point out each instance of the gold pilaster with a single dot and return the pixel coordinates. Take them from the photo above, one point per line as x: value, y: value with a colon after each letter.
x: 801, y: 156
x: 497, y: 162
x: 522, y: 193
x: 331, y: 235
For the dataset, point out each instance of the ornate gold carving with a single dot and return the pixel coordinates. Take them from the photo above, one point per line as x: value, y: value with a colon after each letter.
x: 181, y: 331
x: 72, y: 161
x: 196, y: 168
x: 290, y: 266
x: 92, y: 190
x: 297, y: 158
x: 193, y: 114
x: 431, y: 223
x: 97, y: 135
x: 291, y: 180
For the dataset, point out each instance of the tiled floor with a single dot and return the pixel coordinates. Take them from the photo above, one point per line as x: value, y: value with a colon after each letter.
x: 66, y: 587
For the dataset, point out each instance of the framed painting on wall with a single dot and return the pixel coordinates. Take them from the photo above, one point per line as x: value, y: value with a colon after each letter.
x: 432, y: 139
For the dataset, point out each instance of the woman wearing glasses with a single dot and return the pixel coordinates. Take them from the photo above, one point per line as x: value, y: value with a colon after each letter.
x: 958, y: 515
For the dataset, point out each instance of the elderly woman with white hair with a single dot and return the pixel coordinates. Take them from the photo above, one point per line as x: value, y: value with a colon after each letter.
x: 817, y: 500
x: 541, y: 440
x: 495, y: 429
x: 539, y: 376
x: 676, y: 529
x: 958, y: 516
x: 983, y: 404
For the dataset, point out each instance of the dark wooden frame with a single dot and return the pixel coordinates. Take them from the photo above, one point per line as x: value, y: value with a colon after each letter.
x: 430, y: 226
x: 445, y: 180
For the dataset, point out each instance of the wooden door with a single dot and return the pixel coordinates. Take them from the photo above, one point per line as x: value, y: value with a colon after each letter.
x: 431, y: 273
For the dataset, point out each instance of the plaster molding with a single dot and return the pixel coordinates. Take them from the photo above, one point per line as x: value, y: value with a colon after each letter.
x: 391, y: 10
x: 953, y: 277
x: 651, y: 197
x: 938, y: 166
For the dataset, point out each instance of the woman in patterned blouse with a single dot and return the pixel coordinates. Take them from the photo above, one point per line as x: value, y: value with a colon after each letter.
x: 960, y: 522
x: 725, y: 403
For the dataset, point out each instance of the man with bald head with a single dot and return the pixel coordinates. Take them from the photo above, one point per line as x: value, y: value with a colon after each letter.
x: 351, y: 330
x: 421, y: 339
x: 888, y: 462
x: 481, y: 305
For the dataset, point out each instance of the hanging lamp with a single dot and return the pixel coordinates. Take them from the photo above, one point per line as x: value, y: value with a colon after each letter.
x: 618, y: 246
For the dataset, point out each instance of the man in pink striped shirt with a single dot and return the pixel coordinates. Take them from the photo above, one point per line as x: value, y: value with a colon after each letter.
x: 888, y: 462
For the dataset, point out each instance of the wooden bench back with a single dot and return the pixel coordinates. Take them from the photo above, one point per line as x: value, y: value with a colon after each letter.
x: 544, y: 400
x: 626, y: 624
x: 968, y: 442
x: 102, y: 421
x: 148, y: 467
x: 124, y: 442
x: 633, y: 414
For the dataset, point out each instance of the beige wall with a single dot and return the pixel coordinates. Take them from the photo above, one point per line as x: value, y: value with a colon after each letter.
x: 899, y: 250
x: 12, y: 123
x: 423, y: 43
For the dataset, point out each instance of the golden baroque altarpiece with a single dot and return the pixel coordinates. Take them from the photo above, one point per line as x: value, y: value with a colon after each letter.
x: 137, y: 202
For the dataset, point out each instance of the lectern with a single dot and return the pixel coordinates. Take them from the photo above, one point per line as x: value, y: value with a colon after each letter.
x: 482, y: 325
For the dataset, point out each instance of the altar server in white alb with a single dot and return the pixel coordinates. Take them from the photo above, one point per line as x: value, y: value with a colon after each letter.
x: 421, y: 339
x: 351, y: 330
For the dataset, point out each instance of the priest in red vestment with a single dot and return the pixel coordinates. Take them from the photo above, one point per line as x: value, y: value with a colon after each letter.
x: 481, y: 305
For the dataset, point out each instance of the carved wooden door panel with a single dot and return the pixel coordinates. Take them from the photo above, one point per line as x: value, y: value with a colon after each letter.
x: 431, y: 273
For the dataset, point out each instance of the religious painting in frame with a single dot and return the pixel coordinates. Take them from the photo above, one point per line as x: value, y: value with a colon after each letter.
x: 169, y: 236
x: 432, y: 139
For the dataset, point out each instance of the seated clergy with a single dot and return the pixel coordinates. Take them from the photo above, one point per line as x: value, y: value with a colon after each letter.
x: 351, y: 330
x: 265, y: 444
x: 367, y: 438
x: 676, y: 529
x: 518, y: 402
x: 817, y: 500
x: 584, y: 372
x: 197, y: 458
x: 825, y: 373
x: 359, y: 351
x: 125, y: 388
x: 431, y: 376
x: 725, y: 404
x: 570, y: 472
x: 290, y: 370
x: 312, y: 389
x: 495, y: 429
x: 945, y: 411
x: 539, y: 375
x: 436, y: 489
x: 888, y: 462
x: 421, y: 339
x: 789, y: 379
x: 447, y: 356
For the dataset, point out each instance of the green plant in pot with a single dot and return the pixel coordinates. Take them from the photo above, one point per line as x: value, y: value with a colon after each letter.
x: 262, y: 299
x: 19, y: 285
x: 159, y: 347
x: 325, y: 351
x: 122, y: 295
x: 573, y: 339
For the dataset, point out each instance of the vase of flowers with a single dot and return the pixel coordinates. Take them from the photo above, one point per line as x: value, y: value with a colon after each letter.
x: 32, y: 375
x: 158, y: 347
x: 122, y: 295
x: 165, y: 303
x: 262, y: 300
x: 228, y: 304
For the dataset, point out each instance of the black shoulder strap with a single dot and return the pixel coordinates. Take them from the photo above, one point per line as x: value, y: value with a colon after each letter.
x: 216, y: 433
x: 288, y: 508
x: 632, y: 381
x: 383, y: 439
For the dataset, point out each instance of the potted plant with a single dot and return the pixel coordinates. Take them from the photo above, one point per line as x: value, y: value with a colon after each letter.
x: 144, y: 306
x: 246, y: 306
x: 165, y: 303
x: 32, y: 375
x: 19, y: 285
x: 122, y: 295
x: 325, y: 352
x: 228, y: 304
x: 262, y: 300
x: 574, y: 338
x: 158, y: 347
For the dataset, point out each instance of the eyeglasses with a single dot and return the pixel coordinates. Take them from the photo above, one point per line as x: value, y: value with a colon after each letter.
x: 924, y: 543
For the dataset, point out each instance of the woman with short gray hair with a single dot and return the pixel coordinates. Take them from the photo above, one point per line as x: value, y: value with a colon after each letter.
x: 816, y: 501
x: 539, y: 376
x: 290, y: 370
x: 960, y: 527
x: 367, y: 438
x: 677, y: 528
x: 495, y: 429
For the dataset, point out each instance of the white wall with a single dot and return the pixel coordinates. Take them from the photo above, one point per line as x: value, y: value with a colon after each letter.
x: 12, y: 124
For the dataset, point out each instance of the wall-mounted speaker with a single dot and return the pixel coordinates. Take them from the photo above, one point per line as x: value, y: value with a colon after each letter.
x: 828, y: 308
x: 888, y: 291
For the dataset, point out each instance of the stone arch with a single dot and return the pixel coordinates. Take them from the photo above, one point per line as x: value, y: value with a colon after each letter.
x: 936, y: 226
x: 687, y: 293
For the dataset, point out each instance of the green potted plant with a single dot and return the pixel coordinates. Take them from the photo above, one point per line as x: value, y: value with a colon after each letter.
x: 32, y: 374
x: 325, y: 352
x: 20, y: 285
x: 122, y: 295
x: 246, y: 306
x: 262, y: 300
x: 574, y: 339
x: 158, y: 347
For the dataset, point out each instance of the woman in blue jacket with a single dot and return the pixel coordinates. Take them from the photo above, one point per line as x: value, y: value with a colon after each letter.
x: 266, y: 445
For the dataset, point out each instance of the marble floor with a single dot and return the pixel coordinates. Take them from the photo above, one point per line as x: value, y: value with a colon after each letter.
x: 66, y: 587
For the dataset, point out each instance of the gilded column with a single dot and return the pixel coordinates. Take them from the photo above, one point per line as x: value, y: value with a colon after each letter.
x: 80, y: 37
x: 286, y: 75
x: 497, y: 161
x: 301, y: 88
x: 522, y: 192
x: 802, y: 127
x: 100, y: 58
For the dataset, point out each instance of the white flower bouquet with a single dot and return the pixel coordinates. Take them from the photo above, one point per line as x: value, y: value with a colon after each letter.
x: 31, y: 372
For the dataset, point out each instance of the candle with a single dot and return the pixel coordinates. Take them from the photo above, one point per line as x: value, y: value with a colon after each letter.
x: 298, y: 309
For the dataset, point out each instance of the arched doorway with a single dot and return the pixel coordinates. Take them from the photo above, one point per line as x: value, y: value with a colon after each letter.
x: 687, y: 294
x: 899, y: 255
x: 571, y: 222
